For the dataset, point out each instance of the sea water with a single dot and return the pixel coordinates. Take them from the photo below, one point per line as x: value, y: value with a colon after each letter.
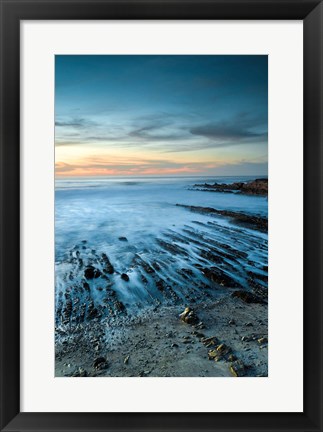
x: 131, y: 219
x: 101, y: 210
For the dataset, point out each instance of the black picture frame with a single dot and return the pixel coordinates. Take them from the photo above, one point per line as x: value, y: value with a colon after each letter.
x: 12, y: 12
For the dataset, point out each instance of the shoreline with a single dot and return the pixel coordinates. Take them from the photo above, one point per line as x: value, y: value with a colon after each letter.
x: 157, y: 343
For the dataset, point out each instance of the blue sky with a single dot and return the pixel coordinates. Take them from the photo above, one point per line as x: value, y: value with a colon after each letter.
x: 161, y: 115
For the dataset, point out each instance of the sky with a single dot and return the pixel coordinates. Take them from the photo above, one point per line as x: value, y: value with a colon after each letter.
x: 161, y: 115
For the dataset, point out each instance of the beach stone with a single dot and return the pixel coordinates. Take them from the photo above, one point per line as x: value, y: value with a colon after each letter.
x: 209, y: 341
x: 223, y: 349
x: 212, y: 354
x: 219, y: 352
x: 232, y: 358
x: 91, y: 272
x: 246, y: 338
x: 263, y: 340
x: 80, y: 372
x: 200, y: 326
x: 189, y: 316
x: 237, y: 368
x: 100, y: 363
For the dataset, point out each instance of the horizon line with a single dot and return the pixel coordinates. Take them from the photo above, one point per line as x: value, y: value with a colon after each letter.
x: 57, y: 177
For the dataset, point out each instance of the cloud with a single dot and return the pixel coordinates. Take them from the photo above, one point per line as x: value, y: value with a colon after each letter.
x: 241, y: 128
x: 62, y: 167
x: 78, y: 123
x: 156, y: 133
x: 227, y: 132
x: 168, y: 133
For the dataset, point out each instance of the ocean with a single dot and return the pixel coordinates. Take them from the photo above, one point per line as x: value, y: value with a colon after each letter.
x: 153, y: 245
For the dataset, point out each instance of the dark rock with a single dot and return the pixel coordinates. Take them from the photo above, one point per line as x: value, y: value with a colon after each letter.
x: 253, y: 187
x: 199, y: 335
x: 212, y: 354
x: 160, y: 284
x: 247, y: 297
x: 232, y: 358
x: 91, y: 272
x: 189, y: 316
x: 100, y: 363
x: 124, y: 239
x: 259, y: 276
x: 108, y: 267
x: 125, y: 277
x: 237, y: 368
x: 211, y: 257
x: 209, y: 341
x: 156, y: 266
x: 261, y: 292
x: 173, y: 248
x: 93, y: 313
x: 120, y: 306
x: 249, y: 221
x: 219, y: 353
x: 223, y: 349
x: 220, y: 277
x: 140, y: 262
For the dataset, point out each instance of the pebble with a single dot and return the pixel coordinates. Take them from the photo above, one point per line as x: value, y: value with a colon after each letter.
x: 237, y: 368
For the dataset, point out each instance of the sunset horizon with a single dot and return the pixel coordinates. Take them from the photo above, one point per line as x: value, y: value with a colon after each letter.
x: 160, y: 115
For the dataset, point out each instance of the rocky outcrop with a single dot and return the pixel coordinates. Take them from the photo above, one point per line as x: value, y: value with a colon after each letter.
x: 249, y: 221
x: 254, y: 187
x: 219, y: 277
x: 107, y: 266
x: 247, y: 297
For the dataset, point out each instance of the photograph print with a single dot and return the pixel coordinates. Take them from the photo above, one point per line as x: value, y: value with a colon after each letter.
x: 161, y: 216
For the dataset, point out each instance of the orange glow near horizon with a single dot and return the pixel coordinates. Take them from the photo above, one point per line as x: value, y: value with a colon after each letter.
x: 89, y: 160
